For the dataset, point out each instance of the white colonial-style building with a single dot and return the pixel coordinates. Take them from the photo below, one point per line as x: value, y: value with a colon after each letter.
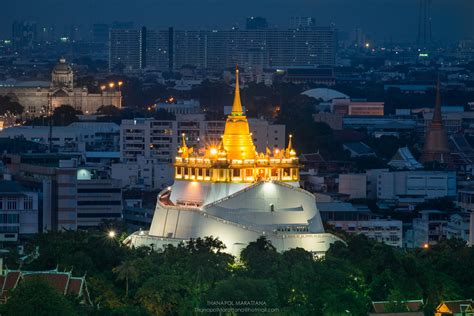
x: 35, y: 96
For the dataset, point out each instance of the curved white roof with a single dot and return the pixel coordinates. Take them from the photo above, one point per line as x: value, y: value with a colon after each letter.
x: 286, y: 214
x: 325, y: 94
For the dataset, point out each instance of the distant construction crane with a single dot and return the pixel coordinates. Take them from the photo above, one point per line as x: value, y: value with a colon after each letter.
x: 424, y: 22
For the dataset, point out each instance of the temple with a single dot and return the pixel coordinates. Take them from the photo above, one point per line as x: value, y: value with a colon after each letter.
x: 436, y: 148
x: 230, y: 191
x: 234, y: 159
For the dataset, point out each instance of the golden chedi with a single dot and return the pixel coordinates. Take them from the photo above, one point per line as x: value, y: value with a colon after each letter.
x: 235, y: 158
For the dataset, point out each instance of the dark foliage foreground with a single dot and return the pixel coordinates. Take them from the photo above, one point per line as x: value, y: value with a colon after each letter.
x: 199, y: 278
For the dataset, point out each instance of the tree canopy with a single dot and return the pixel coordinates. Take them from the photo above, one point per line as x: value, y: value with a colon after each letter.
x: 180, y: 279
x: 36, y: 297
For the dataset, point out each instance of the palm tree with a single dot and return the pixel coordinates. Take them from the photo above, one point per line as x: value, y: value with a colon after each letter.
x: 126, y: 271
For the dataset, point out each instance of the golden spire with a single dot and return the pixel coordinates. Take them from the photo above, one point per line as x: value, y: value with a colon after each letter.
x: 237, y: 105
x: 289, y: 150
x: 222, y: 153
x: 184, y: 151
x: 183, y: 140
x: 290, y: 145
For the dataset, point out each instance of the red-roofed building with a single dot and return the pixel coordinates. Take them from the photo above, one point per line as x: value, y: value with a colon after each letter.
x: 63, y: 282
x: 411, y: 308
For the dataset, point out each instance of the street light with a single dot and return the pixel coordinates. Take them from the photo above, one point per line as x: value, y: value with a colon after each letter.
x: 111, y: 85
x: 111, y: 234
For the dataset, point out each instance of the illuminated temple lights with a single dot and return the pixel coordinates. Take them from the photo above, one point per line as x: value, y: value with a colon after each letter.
x: 235, y: 159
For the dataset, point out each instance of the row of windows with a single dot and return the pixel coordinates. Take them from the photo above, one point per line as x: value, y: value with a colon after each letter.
x: 235, y: 172
x: 9, y: 218
x: 83, y: 203
x: 11, y: 203
x: 104, y: 190
x: 9, y: 229
x: 97, y: 215
x: 293, y: 228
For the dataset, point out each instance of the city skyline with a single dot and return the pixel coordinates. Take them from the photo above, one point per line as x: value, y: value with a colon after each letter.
x: 450, y: 21
x: 188, y: 157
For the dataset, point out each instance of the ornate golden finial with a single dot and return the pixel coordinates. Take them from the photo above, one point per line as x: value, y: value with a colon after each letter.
x: 289, y: 150
x: 237, y: 105
x: 290, y: 145
x: 183, y: 150
x: 222, y: 153
x: 221, y: 146
x: 268, y: 152
x: 183, y: 140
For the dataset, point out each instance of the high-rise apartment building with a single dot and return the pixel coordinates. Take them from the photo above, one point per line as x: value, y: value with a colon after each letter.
x: 252, y: 49
x: 126, y: 49
x: 157, y: 49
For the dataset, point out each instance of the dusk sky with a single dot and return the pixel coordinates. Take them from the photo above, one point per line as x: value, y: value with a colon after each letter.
x: 381, y: 19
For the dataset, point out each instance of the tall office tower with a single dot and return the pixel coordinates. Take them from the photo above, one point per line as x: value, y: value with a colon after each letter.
x: 24, y: 34
x: 302, y: 23
x: 100, y: 33
x: 256, y: 23
x: 127, y: 49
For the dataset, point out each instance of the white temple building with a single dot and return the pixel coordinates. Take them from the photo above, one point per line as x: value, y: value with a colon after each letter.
x: 230, y: 191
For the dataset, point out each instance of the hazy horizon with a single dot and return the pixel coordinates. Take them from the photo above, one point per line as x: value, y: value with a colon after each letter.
x: 380, y: 19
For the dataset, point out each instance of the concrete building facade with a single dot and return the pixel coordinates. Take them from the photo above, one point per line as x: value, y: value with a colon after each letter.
x: 353, y: 184
x: 70, y: 196
x: 420, y: 185
x: 346, y: 217
x: 18, y: 211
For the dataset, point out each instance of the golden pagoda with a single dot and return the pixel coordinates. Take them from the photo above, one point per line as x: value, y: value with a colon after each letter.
x: 235, y: 159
